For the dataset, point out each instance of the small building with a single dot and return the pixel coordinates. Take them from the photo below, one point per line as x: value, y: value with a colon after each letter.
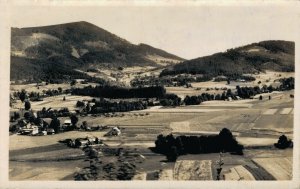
x: 46, y: 121
x: 30, y: 130
x: 50, y: 131
x: 115, y: 131
x: 67, y: 124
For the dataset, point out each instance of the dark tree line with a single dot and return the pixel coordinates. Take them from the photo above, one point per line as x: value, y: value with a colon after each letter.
x: 195, y: 100
x: 104, y: 106
x: 120, y: 92
x: 173, y: 146
x: 246, y: 92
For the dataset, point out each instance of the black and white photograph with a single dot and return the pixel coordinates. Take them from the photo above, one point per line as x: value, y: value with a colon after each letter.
x: 151, y: 92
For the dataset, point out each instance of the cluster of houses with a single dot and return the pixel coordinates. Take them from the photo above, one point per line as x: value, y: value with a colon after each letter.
x: 43, y: 128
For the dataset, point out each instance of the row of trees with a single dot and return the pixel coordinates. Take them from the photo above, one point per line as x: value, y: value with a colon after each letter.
x: 247, y: 92
x: 36, y: 96
x: 195, y: 100
x: 105, y: 106
x: 49, y: 113
x: 172, y: 146
x: 120, y: 92
x: 173, y: 100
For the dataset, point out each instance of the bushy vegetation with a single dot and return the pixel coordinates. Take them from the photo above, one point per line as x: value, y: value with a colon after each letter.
x: 170, y: 100
x: 283, y: 142
x: 195, y: 100
x: 287, y: 83
x: 173, y: 146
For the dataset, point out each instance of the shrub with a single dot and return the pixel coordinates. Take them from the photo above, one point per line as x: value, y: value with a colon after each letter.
x: 27, y: 105
x: 80, y: 104
x: 55, y: 124
x: 74, y: 119
x: 283, y: 142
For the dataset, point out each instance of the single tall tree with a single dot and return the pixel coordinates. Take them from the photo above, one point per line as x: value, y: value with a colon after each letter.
x: 55, y: 124
x: 27, y: 105
x: 74, y: 120
x: 22, y: 95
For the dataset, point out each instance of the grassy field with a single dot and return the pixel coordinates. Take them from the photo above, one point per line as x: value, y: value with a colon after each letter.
x: 44, y: 171
x: 279, y: 168
x: 54, y: 102
x: 247, y: 121
x: 239, y: 173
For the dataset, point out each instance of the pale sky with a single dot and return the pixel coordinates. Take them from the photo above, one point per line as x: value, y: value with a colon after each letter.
x: 186, y: 31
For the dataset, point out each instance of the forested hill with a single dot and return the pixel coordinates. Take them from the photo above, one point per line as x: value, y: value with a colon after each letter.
x: 265, y: 55
x: 39, y: 49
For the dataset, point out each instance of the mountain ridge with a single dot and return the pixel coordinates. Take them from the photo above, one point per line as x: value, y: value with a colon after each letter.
x: 83, y: 44
x: 277, y: 55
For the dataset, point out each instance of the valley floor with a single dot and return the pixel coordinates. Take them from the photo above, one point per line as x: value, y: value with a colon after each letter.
x: 256, y: 124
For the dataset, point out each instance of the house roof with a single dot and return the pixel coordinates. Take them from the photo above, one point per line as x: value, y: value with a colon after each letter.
x: 47, y: 120
x: 68, y: 121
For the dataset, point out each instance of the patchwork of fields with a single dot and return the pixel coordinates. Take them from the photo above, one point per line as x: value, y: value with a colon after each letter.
x: 255, y: 124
